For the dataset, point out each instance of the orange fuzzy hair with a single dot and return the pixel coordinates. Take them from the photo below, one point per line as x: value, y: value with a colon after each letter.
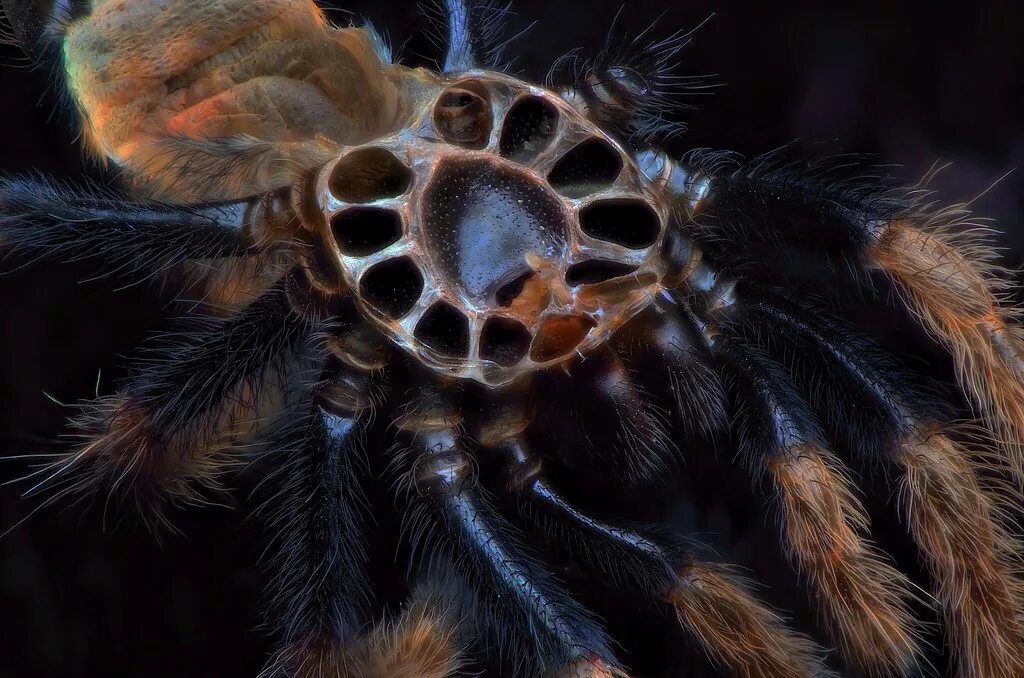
x: 863, y: 599
x: 949, y: 279
x: 973, y: 561
x: 736, y: 631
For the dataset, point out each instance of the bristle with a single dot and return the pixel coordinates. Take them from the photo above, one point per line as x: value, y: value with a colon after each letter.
x: 425, y: 642
x: 471, y: 31
x: 169, y: 434
x: 422, y: 645
x: 42, y: 220
x: 863, y: 599
x: 315, y: 513
x: 972, y: 560
x: 591, y: 668
x: 736, y: 631
x: 122, y: 457
x: 950, y: 283
x: 631, y: 83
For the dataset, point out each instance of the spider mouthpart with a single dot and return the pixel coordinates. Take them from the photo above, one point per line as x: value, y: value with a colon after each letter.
x: 501, y: 233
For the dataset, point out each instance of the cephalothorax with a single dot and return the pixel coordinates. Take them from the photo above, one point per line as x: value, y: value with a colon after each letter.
x: 505, y: 302
x: 502, y: 232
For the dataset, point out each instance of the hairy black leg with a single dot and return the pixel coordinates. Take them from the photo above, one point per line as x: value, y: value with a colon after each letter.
x: 41, y: 220
x: 318, y: 515
x: 629, y: 555
x: 658, y: 342
x: 171, y: 430
x: 534, y: 625
x: 953, y: 505
x: 474, y: 32
x: 720, y: 616
x: 630, y: 87
x: 862, y: 598
x: 848, y: 371
x: 769, y: 219
x: 189, y: 374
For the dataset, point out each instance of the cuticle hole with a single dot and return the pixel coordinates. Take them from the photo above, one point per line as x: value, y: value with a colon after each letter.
x: 444, y: 329
x: 369, y: 174
x: 529, y: 127
x: 362, y: 231
x: 596, y: 271
x: 392, y: 287
x: 462, y: 114
x: 559, y: 336
x: 630, y: 223
x: 589, y: 167
x: 504, y: 341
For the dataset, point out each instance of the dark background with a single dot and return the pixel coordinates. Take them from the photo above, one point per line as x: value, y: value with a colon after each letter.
x: 79, y: 595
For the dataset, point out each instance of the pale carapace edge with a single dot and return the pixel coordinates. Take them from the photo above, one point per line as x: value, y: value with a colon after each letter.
x: 508, y: 242
x: 506, y: 315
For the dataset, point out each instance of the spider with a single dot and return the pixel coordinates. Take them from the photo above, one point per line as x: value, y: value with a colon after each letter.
x: 504, y: 308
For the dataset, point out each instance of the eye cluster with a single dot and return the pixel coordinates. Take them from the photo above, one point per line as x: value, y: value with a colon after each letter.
x: 502, y: 233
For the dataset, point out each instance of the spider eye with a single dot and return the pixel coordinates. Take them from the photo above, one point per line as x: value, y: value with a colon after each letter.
x: 462, y: 115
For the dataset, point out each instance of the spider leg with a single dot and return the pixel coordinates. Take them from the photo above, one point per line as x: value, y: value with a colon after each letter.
x: 474, y: 33
x: 536, y: 626
x: 954, y: 515
x: 319, y: 588
x: 426, y: 641
x: 972, y: 559
x: 863, y: 598
x: 753, y: 217
x: 170, y: 430
x: 45, y: 221
x: 725, y: 620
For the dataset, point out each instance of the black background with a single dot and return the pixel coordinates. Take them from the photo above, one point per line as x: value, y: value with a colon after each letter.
x: 911, y: 82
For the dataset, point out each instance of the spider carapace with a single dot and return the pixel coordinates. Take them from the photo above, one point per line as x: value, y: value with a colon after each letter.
x: 505, y: 305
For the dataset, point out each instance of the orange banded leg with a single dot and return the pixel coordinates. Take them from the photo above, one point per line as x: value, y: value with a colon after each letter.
x: 973, y: 561
x: 862, y: 598
x: 736, y: 630
x: 424, y: 642
x: 951, y: 286
x: 723, y: 619
x: 170, y: 432
x: 532, y: 623
x: 752, y: 216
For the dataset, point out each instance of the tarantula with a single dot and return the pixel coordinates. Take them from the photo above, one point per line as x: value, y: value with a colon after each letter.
x: 505, y: 309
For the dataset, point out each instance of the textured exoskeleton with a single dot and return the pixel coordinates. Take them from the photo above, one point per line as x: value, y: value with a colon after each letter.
x: 507, y: 306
